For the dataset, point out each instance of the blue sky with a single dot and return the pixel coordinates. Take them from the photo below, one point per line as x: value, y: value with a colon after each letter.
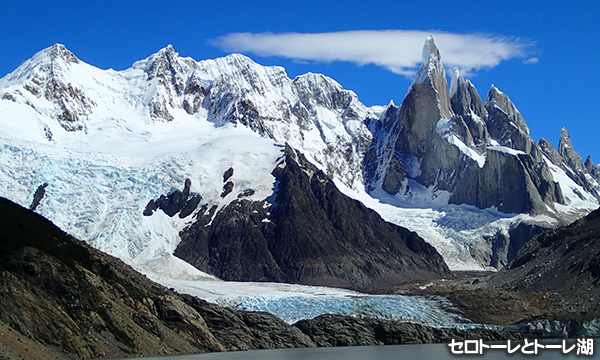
x: 551, y: 72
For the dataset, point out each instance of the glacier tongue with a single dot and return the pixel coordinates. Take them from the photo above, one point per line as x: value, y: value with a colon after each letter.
x: 423, y: 310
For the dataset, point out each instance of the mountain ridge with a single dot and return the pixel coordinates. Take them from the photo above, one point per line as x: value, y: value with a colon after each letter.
x: 461, y: 145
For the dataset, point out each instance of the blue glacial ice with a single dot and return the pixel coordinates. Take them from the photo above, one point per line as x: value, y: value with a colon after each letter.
x: 426, y: 310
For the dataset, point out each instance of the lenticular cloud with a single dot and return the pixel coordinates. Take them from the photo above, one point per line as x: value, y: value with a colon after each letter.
x: 396, y: 50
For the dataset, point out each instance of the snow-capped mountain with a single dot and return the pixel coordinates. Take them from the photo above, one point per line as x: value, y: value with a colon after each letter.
x: 461, y: 172
x: 311, y: 112
x: 479, y: 153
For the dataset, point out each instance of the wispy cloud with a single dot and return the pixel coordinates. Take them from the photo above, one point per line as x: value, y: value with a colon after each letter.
x: 396, y: 50
x: 531, y: 61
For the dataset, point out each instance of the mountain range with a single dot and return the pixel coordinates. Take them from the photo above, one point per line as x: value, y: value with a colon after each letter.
x: 194, y: 172
x: 106, y: 146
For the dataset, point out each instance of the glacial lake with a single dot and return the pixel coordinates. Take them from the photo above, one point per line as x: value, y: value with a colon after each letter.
x: 387, y: 352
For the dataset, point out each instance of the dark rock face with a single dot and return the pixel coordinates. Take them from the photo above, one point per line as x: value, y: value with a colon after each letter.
x: 515, y: 178
x: 465, y: 103
x: 505, y: 123
x: 515, y: 183
x: 336, y: 330
x: 568, y: 153
x: 227, y: 174
x: 38, y: 196
x: 227, y: 188
x: 564, y: 261
x: 506, y: 244
x: 246, y: 193
x: 243, y: 330
x: 177, y: 202
x: 311, y: 234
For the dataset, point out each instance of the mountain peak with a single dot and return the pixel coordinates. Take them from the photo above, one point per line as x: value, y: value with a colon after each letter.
x: 168, y: 50
x: 59, y: 51
x: 153, y: 63
x: 589, y: 164
x: 564, y: 142
x: 51, y: 60
x: 564, y: 133
x: 496, y: 99
x: 430, y: 51
x: 466, y: 104
x: 567, y: 151
x: 494, y: 91
x: 432, y: 63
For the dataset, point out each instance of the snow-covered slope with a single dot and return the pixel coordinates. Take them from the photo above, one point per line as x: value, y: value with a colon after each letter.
x: 107, y: 142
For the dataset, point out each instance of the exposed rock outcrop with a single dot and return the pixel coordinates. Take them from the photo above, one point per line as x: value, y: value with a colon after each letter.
x: 336, y: 330
x: 469, y: 108
x: 72, y: 105
x: 245, y: 330
x: 506, y: 243
x: 347, y: 245
x: 38, y: 196
x: 63, y: 293
x: 228, y: 174
x: 181, y: 202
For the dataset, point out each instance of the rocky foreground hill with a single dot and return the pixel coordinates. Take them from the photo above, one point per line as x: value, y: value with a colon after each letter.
x: 552, y: 282
x: 60, y: 298
x: 564, y: 262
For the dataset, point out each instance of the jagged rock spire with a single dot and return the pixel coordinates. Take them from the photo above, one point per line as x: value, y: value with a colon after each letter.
x: 564, y: 143
x: 497, y: 98
x: 431, y: 53
x: 589, y: 164
x: 433, y: 70
x: 506, y: 124
x: 432, y: 73
x: 566, y: 150
x: 464, y: 97
x: 467, y: 104
x: 432, y: 61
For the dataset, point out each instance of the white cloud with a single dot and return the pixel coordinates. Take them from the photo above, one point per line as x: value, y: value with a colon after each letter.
x: 397, y: 50
x: 531, y: 61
